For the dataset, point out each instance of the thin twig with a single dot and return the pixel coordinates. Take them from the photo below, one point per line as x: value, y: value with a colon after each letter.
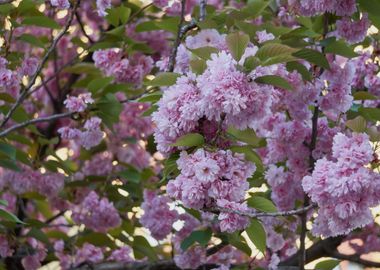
x: 253, y: 214
x: 139, y: 11
x: 32, y: 81
x: 3, y: 2
x: 178, y: 39
x: 77, y: 16
x: 202, y: 10
x: 34, y: 121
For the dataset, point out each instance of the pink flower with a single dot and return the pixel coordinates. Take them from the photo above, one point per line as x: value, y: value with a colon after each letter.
x: 96, y: 213
x: 158, y: 218
x: 263, y: 36
x: 122, y: 254
x: 79, y: 103
x: 353, y: 31
x: 29, y: 66
x: 89, y: 253
x: 61, y: 4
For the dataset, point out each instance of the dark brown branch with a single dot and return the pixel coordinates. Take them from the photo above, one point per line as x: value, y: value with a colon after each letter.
x: 316, y: 251
x: 34, y: 121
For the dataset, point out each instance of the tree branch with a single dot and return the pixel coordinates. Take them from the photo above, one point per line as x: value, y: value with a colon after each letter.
x: 34, y: 121
x: 3, y: 2
x: 40, y: 66
x: 253, y: 214
x: 353, y: 258
x: 183, y: 29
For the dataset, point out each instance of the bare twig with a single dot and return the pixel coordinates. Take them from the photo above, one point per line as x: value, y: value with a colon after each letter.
x: 77, y: 16
x: 32, y: 81
x: 34, y: 121
x: 3, y: 2
x: 253, y: 214
x: 183, y: 29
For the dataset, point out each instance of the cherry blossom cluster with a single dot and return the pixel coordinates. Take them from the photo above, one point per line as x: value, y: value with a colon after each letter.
x: 158, y: 217
x: 96, y: 213
x: 353, y: 31
x: 89, y: 253
x: 48, y: 184
x: 129, y: 70
x: 79, y: 103
x: 211, y: 179
x: 343, y: 187
x: 88, y: 137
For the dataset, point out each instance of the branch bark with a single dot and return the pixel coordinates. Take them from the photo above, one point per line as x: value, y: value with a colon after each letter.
x: 253, y: 214
x: 34, y: 121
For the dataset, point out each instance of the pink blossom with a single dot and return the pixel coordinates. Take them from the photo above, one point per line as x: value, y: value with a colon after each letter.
x: 122, y: 254
x: 231, y: 222
x: 158, y: 218
x: 102, y: 6
x: 61, y: 4
x: 79, y: 103
x: 29, y: 66
x: 89, y: 253
x: 96, y: 213
x: 104, y: 59
x: 263, y: 36
x: 353, y: 31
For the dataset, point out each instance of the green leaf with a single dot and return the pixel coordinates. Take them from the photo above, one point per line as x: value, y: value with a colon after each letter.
x: 364, y: 95
x: 358, y: 124
x: 9, y: 164
x: 9, y: 216
x: 131, y: 174
x: 273, y: 50
x: 251, y: 63
x: 372, y: 6
x: 341, y: 48
x: 248, y: 136
x: 301, y: 69
x: 95, y: 238
x: 237, y: 43
x: 313, y: 57
x: 204, y: 52
x: 164, y: 79
x: 250, y: 155
x: 201, y: 237
x: 99, y: 83
x: 142, y: 248
x: 41, y: 21
x: 31, y: 39
x: 118, y: 15
x: 189, y: 140
x: 284, y: 58
x: 239, y: 242
x: 256, y: 7
x: 8, y: 150
x: 262, y: 204
x: 198, y: 66
x: 83, y: 67
x: 327, y: 265
x: 257, y: 235
x: 152, y: 98
x: 372, y: 114
x: 109, y: 109
x: 274, y: 80
x: 3, y: 202
x: 39, y: 235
